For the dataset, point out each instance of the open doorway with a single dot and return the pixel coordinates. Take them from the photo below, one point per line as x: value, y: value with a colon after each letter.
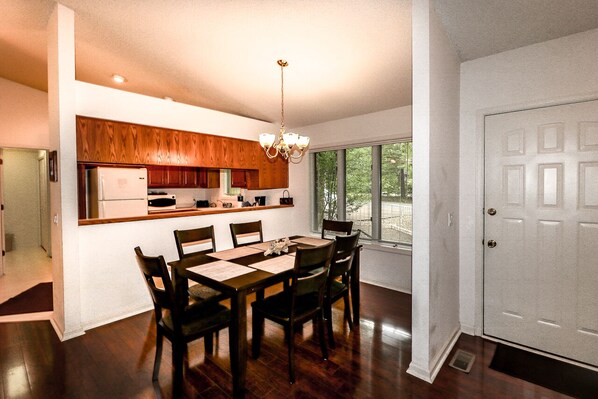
x: 27, y: 268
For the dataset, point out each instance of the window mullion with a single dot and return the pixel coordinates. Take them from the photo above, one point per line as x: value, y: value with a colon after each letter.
x: 377, y: 192
x: 341, y: 175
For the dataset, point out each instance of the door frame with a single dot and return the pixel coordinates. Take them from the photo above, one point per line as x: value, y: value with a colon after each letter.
x: 481, y: 114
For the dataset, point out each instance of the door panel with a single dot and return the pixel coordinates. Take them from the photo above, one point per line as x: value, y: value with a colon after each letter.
x: 541, y: 277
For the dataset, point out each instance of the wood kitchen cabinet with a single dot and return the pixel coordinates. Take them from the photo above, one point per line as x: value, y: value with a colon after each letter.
x: 121, y: 143
x: 172, y: 176
x: 238, y: 178
x: 272, y: 173
x: 208, y: 178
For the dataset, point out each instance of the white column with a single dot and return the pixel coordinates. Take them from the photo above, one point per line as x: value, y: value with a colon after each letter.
x: 420, y: 330
x: 63, y: 193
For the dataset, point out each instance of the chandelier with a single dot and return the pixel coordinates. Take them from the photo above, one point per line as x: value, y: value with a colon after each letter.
x: 289, y: 145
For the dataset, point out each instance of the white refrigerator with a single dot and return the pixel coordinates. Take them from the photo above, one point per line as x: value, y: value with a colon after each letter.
x: 117, y: 192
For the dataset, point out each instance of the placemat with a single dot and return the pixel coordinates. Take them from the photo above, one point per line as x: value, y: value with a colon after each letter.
x: 316, y: 242
x: 262, y: 246
x: 275, y: 265
x: 234, y: 253
x: 221, y: 270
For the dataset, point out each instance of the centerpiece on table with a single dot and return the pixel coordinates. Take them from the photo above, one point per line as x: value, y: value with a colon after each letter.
x: 278, y: 247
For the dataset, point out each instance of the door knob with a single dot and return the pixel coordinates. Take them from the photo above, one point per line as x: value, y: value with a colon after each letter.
x: 491, y: 211
x: 491, y: 244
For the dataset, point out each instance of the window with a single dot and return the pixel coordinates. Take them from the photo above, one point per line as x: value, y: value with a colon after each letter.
x: 372, y: 186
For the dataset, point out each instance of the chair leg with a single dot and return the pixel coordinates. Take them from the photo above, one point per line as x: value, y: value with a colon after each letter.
x: 178, y: 351
x: 209, y: 343
x: 158, y: 358
x: 322, y: 337
x: 348, y: 310
x: 256, y: 333
x: 291, y: 344
x: 328, y: 317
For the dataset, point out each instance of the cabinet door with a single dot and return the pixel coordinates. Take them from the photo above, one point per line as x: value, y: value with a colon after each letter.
x: 272, y: 173
x: 237, y: 178
x: 208, y: 178
x: 174, y: 176
x: 156, y: 176
x: 189, y: 177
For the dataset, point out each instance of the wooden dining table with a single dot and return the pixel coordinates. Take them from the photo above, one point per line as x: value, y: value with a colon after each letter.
x: 240, y: 271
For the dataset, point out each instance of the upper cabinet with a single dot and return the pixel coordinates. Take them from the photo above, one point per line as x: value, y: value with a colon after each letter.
x: 103, y: 141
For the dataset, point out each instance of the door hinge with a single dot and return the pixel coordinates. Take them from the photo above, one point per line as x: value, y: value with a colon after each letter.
x: 3, y: 252
x: 483, y: 242
x: 1, y: 207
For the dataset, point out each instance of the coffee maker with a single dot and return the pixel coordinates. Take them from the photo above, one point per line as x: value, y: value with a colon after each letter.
x: 260, y: 200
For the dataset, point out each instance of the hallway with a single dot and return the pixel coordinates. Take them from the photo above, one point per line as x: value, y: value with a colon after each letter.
x: 24, y: 268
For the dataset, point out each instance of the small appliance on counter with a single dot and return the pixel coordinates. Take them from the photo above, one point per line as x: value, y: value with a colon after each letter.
x: 117, y: 192
x: 286, y: 198
x: 202, y: 204
x: 261, y: 200
x: 160, y: 202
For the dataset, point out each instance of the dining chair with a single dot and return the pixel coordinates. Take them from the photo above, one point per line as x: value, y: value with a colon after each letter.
x: 180, y: 324
x: 302, y: 302
x: 339, y: 280
x: 249, y: 233
x: 203, y: 242
x: 334, y: 227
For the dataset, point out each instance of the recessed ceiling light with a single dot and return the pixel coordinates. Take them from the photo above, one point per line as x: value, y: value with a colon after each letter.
x: 168, y: 98
x: 119, y: 78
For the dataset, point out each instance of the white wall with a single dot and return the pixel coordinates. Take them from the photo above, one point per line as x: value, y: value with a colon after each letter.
x: 388, y: 268
x: 21, y: 197
x: 23, y: 116
x: 552, y: 72
x: 435, y: 193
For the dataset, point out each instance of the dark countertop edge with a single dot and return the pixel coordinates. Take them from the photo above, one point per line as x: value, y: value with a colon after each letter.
x: 179, y: 213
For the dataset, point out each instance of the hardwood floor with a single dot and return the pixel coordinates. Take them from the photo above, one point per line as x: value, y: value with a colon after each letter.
x: 115, y: 361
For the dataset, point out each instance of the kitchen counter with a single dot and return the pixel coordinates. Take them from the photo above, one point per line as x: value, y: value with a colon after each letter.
x: 181, y: 212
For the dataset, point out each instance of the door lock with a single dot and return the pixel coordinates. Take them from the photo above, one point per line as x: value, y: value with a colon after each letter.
x: 491, y: 211
x: 491, y: 243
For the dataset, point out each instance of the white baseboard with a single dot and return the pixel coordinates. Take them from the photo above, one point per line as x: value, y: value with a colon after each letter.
x: 469, y: 330
x: 132, y: 311
x: 65, y: 335
x: 443, y: 354
x: 378, y: 284
x: 429, y: 373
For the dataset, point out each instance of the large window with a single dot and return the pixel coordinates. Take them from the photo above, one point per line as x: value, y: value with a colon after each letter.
x: 372, y: 186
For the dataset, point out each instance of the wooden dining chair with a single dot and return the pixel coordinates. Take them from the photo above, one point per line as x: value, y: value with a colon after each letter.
x: 203, y: 242
x: 339, y: 280
x: 178, y: 323
x: 249, y: 233
x: 336, y: 227
x: 302, y: 302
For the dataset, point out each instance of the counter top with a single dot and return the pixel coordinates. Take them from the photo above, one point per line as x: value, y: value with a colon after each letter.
x: 177, y: 213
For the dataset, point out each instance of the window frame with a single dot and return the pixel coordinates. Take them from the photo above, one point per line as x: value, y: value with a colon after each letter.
x: 376, y: 237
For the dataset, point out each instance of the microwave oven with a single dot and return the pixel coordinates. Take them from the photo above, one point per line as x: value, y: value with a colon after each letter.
x: 161, y: 202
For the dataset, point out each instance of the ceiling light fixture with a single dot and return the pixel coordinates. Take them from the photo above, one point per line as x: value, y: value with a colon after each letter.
x: 290, y: 146
x: 119, y: 78
x: 168, y: 98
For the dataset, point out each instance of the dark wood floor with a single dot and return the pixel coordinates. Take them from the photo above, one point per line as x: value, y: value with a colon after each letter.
x: 115, y: 361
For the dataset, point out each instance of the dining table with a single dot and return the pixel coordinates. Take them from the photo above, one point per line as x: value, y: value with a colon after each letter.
x: 240, y: 271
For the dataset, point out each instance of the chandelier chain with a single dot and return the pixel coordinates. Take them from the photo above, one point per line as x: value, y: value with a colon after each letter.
x: 282, y: 65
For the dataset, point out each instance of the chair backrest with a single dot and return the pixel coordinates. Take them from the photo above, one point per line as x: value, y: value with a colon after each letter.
x: 249, y: 233
x: 343, y: 254
x: 200, y: 240
x: 154, y: 268
x: 311, y: 271
x: 336, y: 226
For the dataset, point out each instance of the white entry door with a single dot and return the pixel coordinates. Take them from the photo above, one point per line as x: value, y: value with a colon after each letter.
x: 541, y: 229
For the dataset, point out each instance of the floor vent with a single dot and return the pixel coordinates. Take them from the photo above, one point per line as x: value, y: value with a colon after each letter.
x: 462, y: 361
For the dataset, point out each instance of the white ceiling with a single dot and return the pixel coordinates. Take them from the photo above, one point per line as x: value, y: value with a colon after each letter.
x: 346, y: 57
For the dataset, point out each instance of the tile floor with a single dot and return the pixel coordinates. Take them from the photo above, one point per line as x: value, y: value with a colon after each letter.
x: 24, y: 268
